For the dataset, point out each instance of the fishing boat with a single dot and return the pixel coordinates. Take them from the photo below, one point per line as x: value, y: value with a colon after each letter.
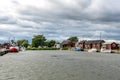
x: 14, y: 49
x: 13, y: 46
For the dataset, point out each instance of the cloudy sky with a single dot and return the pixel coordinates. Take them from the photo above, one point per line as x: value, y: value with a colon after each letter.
x: 60, y: 19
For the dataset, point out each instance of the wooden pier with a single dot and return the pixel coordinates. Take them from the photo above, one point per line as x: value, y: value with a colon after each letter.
x: 3, y: 51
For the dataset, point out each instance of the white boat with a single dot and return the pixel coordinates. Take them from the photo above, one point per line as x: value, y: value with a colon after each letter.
x: 103, y: 49
x: 23, y: 48
x: 92, y: 50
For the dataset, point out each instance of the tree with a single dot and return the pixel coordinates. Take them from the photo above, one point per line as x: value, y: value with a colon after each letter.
x: 23, y: 43
x: 73, y: 39
x: 38, y: 40
x: 50, y: 43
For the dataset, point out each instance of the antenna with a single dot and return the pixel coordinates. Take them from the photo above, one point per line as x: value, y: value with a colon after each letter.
x: 11, y: 39
x: 100, y: 36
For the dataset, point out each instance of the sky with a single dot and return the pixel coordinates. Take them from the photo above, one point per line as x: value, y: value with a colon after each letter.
x: 59, y: 19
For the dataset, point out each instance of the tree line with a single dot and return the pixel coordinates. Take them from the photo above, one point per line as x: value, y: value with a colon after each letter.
x: 41, y: 41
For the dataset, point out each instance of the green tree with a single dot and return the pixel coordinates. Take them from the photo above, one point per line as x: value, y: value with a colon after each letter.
x: 73, y: 39
x: 23, y: 43
x: 50, y: 43
x: 38, y: 40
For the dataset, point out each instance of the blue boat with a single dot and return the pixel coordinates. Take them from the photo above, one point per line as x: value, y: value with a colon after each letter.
x: 78, y: 49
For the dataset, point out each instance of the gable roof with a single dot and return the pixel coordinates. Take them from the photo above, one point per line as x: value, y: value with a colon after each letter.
x: 82, y: 42
x: 94, y: 41
x: 67, y: 42
x: 110, y: 43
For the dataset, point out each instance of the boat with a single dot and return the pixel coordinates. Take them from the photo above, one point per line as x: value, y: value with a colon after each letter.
x: 104, y: 50
x: 78, y: 49
x: 92, y: 50
x: 13, y: 46
x: 14, y: 49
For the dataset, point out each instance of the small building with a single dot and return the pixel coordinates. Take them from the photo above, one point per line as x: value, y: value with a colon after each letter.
x: 111, y: 45
x: 57, y: 45
x: 97, y: 44
x: 68, y: 43
x: 82, y: 44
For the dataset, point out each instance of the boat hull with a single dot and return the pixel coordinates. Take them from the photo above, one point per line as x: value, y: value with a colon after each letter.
x: 14, y: 49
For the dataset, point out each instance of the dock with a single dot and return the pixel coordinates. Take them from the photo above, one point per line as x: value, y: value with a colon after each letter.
x: 3, y: 51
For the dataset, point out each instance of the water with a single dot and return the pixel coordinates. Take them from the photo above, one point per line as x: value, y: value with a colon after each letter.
x: 59, y: 65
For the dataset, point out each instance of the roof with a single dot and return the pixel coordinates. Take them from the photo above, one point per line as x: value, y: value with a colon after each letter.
x: 82, y: 42
x: 66, y: 42
x: 94, y: 41
x: 110, y: 42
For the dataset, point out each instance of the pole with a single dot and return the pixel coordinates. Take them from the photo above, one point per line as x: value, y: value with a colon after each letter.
x: 100, y: 35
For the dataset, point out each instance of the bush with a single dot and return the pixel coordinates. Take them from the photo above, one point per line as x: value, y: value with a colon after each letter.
x: 65, y: 48
x: 43, y: 48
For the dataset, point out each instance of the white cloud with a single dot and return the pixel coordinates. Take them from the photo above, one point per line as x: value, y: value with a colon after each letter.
x: 9, y: 27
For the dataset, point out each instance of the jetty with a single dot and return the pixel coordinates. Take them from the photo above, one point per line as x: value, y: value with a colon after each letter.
x: 3, y: 51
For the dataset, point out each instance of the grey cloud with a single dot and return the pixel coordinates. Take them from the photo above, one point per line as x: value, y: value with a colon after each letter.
x: 82, y: 18
x: 7, y: 20
x: 81, y: 11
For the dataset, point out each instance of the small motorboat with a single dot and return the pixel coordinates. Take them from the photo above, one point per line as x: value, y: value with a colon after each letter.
x: 104, y: 50
x: 78, y: 49
x: 92, y: 50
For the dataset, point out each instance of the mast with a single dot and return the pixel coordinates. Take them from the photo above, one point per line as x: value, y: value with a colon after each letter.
x: 100, y: 36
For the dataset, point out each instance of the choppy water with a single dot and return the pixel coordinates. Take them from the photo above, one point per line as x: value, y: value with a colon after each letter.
x: 59, y: 65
